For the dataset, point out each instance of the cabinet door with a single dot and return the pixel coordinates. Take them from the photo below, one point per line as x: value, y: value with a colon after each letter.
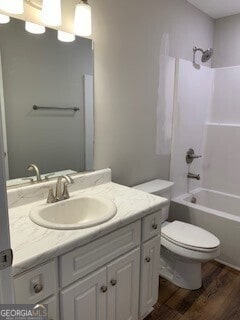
x: 150, y: 260
x: 86, y: 299
x: 52, y: 304
x: 123, y: 283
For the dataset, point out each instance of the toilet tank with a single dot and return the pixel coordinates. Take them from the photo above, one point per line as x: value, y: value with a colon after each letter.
x: 160, y: 188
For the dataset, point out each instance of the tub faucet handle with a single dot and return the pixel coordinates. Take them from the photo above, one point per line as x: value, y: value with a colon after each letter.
x: 191, y: 156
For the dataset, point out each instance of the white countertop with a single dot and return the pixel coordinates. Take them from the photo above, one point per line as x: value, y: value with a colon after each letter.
x: 33, y: 245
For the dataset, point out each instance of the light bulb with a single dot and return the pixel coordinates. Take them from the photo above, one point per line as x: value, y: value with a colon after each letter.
x: 4, y: 19
x: 65, y: 36
x: 83, y: 19
x: 12, y: 6
x: 51, y: 13
x: 34, y: 28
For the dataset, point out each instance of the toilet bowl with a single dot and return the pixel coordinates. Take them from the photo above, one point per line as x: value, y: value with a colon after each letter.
x: 184, y: 247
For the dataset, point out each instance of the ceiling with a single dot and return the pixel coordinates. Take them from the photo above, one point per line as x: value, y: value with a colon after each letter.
x: 217, y: 8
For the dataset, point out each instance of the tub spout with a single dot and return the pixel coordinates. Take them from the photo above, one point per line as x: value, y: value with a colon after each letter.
x: 193, y: 176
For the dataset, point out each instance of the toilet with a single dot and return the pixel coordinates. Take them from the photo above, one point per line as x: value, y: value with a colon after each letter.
x: 184, y: 247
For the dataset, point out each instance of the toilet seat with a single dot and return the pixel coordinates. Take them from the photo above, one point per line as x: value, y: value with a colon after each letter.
x: 189, y: 237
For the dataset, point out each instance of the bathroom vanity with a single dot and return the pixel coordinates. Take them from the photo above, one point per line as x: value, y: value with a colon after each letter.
x: 108, y: 271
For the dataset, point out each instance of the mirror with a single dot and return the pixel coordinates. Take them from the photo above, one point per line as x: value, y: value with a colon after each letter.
x: 46, y: 92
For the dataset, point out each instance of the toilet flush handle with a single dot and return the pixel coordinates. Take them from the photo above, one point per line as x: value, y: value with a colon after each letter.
x: 154, y: 226
x: 148, y: 259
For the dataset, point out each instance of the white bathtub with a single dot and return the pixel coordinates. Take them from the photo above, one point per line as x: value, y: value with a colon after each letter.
x: 216, y: 212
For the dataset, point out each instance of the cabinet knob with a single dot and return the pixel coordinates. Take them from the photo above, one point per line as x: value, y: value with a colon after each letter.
x: 113, y: 282
x: 104, y: 289
x: 154, y: 226
x: 38, y: 287
x: 148, y: 259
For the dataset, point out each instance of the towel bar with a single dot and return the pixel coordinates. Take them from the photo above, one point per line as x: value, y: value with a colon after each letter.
x: 55, y: 108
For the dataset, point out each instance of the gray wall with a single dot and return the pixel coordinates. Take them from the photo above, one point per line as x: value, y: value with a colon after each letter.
x: 39, y: 69
x: 127, y: 37
x: 226, y: 42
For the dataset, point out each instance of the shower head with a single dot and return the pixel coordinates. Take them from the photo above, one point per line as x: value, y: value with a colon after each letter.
x: 206, y: 55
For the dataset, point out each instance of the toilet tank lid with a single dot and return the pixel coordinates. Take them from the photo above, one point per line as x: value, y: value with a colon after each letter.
x: 155, y: 186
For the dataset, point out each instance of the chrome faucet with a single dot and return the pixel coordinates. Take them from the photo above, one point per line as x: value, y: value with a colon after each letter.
x: 193, y: 176
x: 61, y: 193
x: 33, y: 167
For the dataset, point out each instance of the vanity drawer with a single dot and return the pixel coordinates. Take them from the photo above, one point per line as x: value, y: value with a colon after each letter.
x: 151, y: 226
x: 78, y: 263
x: 37, y: 284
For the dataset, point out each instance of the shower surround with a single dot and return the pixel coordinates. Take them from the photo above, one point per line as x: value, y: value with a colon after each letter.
x: 207, y: 119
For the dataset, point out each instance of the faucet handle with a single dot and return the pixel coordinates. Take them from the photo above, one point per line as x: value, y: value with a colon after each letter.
x: 191, y: 156
x: 51, y: 198
x: 65, y: 193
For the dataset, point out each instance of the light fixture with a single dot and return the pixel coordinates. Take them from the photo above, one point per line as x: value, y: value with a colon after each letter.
x: 51, y: 12
x: 36, y: 4
x: 4, y: 19
x: 34, y: 28
x: 12, y: 6
x: 65, y: 36
x: 83, y: 19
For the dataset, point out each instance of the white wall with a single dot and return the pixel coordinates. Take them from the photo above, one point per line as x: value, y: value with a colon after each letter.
x: 226, y: 42
x: 193, y: 102
x: 127, y: 36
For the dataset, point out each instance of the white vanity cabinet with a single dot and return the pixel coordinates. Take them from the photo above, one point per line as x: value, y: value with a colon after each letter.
x: 123, y: 283
x: 85, y: 299
x: 110, y: 293
x: 53, y: 307
x: 112, y: 278
x: 36, y: 285
x: 150, y: 262
x: 149, y: 275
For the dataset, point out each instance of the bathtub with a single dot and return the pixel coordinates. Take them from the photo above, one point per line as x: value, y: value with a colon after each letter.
x: 216, y: 212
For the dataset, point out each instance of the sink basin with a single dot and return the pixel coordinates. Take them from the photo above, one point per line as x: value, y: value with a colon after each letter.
x: 74, y: 213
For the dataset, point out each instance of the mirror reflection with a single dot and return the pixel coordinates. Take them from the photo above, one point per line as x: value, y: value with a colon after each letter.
x: 46, y: 89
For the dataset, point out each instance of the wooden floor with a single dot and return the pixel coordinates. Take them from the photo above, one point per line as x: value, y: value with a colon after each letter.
x: 218, y: 299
